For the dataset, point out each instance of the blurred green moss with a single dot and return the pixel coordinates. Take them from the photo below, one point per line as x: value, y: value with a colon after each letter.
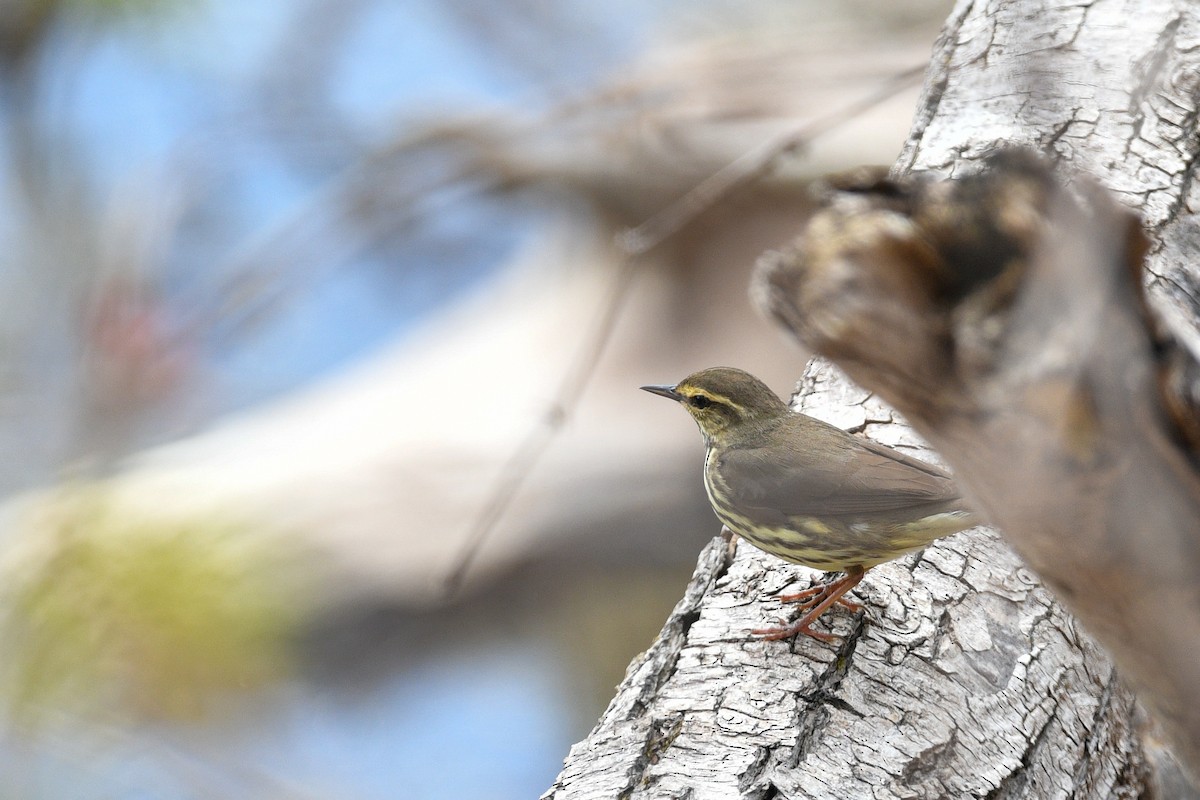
x: 146, y: 619
x: 103, y: 7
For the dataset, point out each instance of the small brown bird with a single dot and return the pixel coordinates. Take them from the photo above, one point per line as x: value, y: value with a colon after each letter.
x: 809, y: 492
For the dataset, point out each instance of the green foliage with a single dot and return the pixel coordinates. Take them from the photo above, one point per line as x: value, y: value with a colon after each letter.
x: 112, y: 7
x: 147, y: 619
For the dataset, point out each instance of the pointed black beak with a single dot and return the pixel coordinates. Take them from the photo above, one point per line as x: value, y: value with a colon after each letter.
x: 665, y: 391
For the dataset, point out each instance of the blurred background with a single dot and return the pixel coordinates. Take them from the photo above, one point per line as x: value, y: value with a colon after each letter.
x: 301, y: 300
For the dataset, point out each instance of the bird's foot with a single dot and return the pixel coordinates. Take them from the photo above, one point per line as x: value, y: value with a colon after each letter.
x: 815, y: 602
x: 731, y: 541
x: 788, y: 631
x: 814, y: 594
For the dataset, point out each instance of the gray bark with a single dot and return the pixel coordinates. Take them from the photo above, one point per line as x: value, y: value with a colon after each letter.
x: 962, y: 677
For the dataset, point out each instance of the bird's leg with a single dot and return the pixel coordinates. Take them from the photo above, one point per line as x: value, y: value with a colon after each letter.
x: 731, y: 540
x: 813, y: 594
x: 829, y: 595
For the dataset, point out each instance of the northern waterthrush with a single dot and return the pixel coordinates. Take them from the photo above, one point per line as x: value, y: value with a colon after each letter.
x: 809, y: 492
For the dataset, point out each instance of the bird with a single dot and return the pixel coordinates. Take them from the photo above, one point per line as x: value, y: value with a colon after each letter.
x: 809, y: 492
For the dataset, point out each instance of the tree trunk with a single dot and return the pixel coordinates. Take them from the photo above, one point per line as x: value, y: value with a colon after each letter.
x: 962, y: 677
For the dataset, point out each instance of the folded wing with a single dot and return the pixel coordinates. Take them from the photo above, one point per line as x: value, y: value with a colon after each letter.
x: 835, y: 474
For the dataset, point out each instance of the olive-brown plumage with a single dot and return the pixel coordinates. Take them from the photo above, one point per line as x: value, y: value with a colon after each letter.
x: 808, y: 492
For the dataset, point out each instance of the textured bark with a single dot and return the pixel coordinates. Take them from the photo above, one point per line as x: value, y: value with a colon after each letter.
x: 1000, y: 316
x: 1006, y: 319
x: 962, y: 677
x: 1111, y: 87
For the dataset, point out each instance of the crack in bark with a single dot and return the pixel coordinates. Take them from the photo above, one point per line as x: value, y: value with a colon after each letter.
x: 1050, y: 145
x: 1150, y: 71
x: 814, y: 705
x: 1043, y: 616
x: 1091, y: 742
x: 1186, y: 295
x: 1083, y: 19
x: 748, y: 779
x: 940, y: 631
x: 769, y: 792
x: 937, y: 79
x: 1190, y: 128
x: 713, y: 564
x: 1013, y: 784
x: 659, y: 737
x: 673, y: 638
x: 931, y: 761
x: 812, y: 716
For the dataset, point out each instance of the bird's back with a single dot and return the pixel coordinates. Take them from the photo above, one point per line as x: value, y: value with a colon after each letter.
x: 811, y: 493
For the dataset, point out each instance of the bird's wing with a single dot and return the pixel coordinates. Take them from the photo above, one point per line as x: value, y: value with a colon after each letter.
x: 834, y: 474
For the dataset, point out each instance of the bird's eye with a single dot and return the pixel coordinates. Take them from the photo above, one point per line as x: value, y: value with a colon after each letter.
x: 699, y: 401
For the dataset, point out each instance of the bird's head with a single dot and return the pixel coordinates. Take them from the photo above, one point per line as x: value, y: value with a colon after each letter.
x: 722, y: 398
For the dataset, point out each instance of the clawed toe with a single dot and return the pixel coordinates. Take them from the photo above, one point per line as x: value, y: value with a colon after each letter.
x: 811, y: 597
x: 815, y: 601
x: 787, y: 632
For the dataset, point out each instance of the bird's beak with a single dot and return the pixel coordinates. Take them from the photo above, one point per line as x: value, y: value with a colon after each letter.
x: 665, y: 391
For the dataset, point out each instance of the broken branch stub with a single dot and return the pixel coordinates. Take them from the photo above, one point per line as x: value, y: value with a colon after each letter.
x: 1003, y: 315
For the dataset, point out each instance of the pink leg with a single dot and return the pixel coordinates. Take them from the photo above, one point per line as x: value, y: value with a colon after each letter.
x: 731, y: 540
x: 811, y: 595
x: 819, y: 603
